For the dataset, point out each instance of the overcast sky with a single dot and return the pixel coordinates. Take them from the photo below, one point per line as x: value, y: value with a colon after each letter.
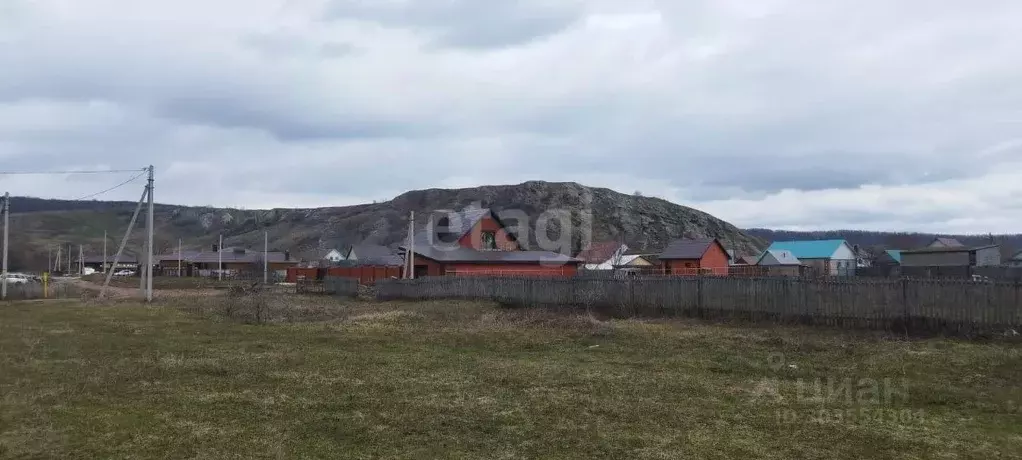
x: 889, y: 115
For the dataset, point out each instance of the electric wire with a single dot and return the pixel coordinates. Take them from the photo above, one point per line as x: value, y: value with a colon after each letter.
x: 39, y: 173
x: 122, y: 184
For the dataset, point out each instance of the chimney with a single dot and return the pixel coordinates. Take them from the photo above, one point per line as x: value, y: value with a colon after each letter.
x: 215, y: 248
x: 287, y: 255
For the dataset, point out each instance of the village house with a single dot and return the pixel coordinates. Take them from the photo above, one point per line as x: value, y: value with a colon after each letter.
x: 952, y: 256
x: 233, y: 262
x: 373, y: 254
x: 890, y: 257
x: 97, y: 263
x: 602, y: 256
x: 823, y: 257
x: 478, y: 243
x: 334, y: 256
x: 779, y: 262
x: 705, y: 256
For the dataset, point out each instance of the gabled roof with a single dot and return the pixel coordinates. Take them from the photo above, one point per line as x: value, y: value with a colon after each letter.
x: 688, y: 249
x: 895, y: 254
x: 948, y: 242
x: 748, y: 260
x: 429, y: 245
x: 781, y: 256
x: 821, y: 249
x: 233, y: 256
x: 375, y: 254
x: 462, y: 222
x: 599, y: 253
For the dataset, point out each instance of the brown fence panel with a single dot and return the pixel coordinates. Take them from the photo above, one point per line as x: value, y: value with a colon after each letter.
x: 955, y: 306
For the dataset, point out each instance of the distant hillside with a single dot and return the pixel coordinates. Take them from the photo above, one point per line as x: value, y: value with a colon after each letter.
x: 888, y: 240
x: 648, y: 224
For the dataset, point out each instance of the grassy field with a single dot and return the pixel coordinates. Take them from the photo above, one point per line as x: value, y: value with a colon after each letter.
x: 470, y: 380
x: 163, y: 282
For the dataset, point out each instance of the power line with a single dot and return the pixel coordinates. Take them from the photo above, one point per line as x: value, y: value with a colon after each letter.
x: 122, y: 184
x: 104, y: 171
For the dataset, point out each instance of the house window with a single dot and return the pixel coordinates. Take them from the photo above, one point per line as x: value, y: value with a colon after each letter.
x: 489, y: 241
x: 688, y: 264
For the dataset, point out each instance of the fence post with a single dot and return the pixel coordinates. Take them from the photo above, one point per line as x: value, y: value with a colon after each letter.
x: 699, y: 295
x: 906, y: 317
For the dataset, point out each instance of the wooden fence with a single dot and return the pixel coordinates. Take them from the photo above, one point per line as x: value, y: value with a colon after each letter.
x: 363, y: 274
x: 906, y: 304
x: 31, y: 291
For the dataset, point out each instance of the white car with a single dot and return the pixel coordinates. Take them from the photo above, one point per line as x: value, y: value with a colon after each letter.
x: 125, y: 273
x: 18, y: 278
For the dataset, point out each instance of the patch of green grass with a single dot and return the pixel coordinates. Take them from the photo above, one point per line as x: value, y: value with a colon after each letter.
x: 470, y: 380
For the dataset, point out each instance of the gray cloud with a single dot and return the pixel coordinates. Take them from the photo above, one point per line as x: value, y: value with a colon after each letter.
x: 777, y: 113
x: 466, y: 23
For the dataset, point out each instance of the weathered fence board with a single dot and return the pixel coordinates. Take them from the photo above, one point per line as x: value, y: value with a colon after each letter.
x: 947, y: 305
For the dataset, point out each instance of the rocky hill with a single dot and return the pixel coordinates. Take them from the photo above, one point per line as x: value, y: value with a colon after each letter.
x: 39, y: 226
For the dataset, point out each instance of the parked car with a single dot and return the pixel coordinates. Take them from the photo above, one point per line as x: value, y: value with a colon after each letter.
x: 18, y: 278
x: 124, y: 273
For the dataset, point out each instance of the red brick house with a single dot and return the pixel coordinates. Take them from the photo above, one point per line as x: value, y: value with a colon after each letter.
x: 695, y: 257
x: 476, y: 242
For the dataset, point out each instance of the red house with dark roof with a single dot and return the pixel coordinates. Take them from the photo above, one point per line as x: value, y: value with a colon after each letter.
x: 704, y: 256
x: 476, y: 242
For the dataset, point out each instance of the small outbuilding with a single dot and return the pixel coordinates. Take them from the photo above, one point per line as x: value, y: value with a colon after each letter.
x: 705, y: 256
x: 780, y: 262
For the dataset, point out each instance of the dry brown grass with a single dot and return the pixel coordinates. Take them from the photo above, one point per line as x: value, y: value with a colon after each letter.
x: 322, y: 378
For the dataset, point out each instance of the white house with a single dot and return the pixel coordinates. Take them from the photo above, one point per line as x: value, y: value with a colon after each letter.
x: 334, y: 256
x: 603, y: 256
x: 827, y: 257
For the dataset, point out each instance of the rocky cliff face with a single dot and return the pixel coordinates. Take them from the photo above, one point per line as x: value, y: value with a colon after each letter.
x: 644, y: 223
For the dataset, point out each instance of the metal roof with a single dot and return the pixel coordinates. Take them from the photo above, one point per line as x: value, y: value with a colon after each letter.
x: 375, y: 254
x: 949, y: 242
x: 125, y: 259
x: 456, y: 253
x: 895, y: 254
x: 821, y: 249
x: 228, y: 255
x: 781, y: 256
x: 687, y: 249
x: 951, y: 249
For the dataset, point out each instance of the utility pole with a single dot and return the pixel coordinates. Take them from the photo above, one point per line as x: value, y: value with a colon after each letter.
x: 81, y: 261
x: 149, y: 245
x: 220, y: 259
x: 266, y: 257
x: 124, y: 242
x: 411, y: 247
x: 69, y: 258
x: 104, y: 251
x: 7, y: 217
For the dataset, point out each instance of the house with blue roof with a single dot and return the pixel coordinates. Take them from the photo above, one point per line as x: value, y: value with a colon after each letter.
x: 825, y: 257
